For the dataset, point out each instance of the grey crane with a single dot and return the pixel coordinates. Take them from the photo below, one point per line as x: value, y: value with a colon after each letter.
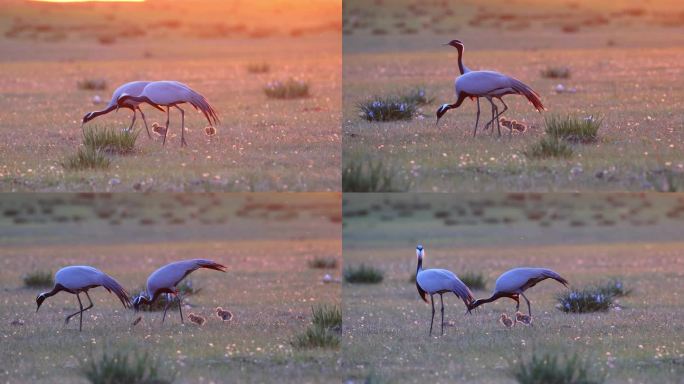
x: 439, y: 281
x: 165, y: 280
x: 77, y: 279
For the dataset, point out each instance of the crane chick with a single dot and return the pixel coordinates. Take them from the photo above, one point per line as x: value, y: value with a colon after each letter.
x: 522, y: 318
x: 158, y: 129
x: 505, y: 320
x: 197, y: 319
x: 210, y: 131
x: 224, y: 314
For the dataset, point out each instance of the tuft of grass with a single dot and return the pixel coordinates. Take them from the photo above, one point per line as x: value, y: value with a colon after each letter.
x: 587, y: 300
x: 92, y: 84
x: 474, y: 280
x: 614, y: 288
x: 86, y: 158
x: 547, y: 368
x: 363, y: 274
x: 323, y: 263
x: 547, y: 147
x: 38, y: 279
x: 123, y: 368
x: 417, y: 96
x: 289, y: 89
x: 666, y: 180
x: 325, y: 330
x: 387, y: 109
x: 572, y: 128
x: 556, y: 73
x: 258, y: 68
x: 361, y: 175
x: 110, y: 140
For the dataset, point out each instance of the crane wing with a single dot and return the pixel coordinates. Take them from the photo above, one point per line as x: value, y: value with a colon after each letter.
x: 79, y: 277
x: 520, y: 279
x: 171, y: 274
x: 441, y: 280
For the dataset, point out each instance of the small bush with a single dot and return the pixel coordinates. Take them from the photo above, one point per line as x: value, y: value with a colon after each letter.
x: 123, y: 368
x: 92, y: 84
x: 110, y: 140
x: 363, y: 274
x: 417, y: 96
x: 581, y: 130
x: 614, y: 288
x: 38, y: 279
x: 323, y: 263
x: 86, y: 158
x: 549, y: 147
x: 290, y: 89
x: 258, y: 68
x: 551, y: 369
x: 587, y: 300
x: 556, y: 73
x: 325, y: 330
x: 388, y: 109
x: 474, y: 280
x: 370, y: 176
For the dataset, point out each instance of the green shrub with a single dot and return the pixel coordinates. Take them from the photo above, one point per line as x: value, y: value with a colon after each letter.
x: 556, y: 72
x: 572, y: 128
x: 110, y: 140
x: 258, y: 68
x: 123, y: 368
x: 325, y: 330
x: 289, y: 89
x: 361, y: 175
x: 550, y: 368
x: 586, y: 300
x: 474, y: 280
x: 387, y: 109
x: 38, y: 279
x: 363, y: 274
x: 548, y: 147
x: 86, y: 158
x: 323, y: 263
x: 328, y: 317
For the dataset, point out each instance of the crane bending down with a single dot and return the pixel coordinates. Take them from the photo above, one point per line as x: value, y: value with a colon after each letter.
x: 166, y: 278
x: 489, y: 84
x: 132, y: 88
x: 515, y: 282
x: 171, y: 94
x: 439, y: 281
x: 79, y: 279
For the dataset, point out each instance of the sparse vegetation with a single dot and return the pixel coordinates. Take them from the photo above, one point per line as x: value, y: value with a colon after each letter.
x: 328, y: 317
x: 38, y: 279
x: 587, y: 300
x: 548, y: 368
x: 323, y: 263
x: 417, y: 96
x: 258, y: 68
x: 556, y: 72
x: 370, y: 176
x: 289, y: 89
x: 123, y: 368
x: 86, y: 158
x: 548, y: 147
x: 92, y: 84
x: 387, y: 109
x: 110, y: 140
x: 474, y: 280
x: 614, y: 288
x: 363, y: 274
x: 574, y: 129
x: 325, y: 330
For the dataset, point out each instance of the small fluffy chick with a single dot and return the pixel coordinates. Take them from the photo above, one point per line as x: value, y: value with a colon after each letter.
x: 520, y: 127
x: 224, y: 314
x: 522, y: 318
x: 505, y: 320
x: 158, y: 129
x: 210, y: 131
x: 197, y: 319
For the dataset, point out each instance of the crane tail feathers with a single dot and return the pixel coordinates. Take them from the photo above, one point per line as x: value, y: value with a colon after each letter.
x: 201, y: 104
x: 463, y: 292
x: 114, y: 287
x: 529, y: 93
x: 553, y: 275
x: 210, y: 265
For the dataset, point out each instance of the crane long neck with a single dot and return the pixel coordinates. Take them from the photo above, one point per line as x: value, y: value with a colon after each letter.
x: 103, y: 111
x: 420, y: 264
x: 462, y: 68
x: 57, y: 288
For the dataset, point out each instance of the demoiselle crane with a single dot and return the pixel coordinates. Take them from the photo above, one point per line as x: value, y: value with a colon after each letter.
x: 439, y: 281
x: 171, y: 94
x: 166, y: 279
x: 79, y: 279
x: 132, y: 88
x: 513, y: 283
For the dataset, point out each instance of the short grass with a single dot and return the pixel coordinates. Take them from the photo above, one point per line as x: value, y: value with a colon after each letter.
x: 38, y: 279
x: 86, y: 158
x: 110, y: 140
x: 573, y: 128
x: 556, y: 73
x: 288, y: 89
x: 92, y: 84
x: 124, y: 367
x: 549, y: 367
x: 324, y: 331
x: 320, y: 262
x: 365, y: 175
x: 363, y: 274
x: 588, y: 238
x: 549, y: 147
x: 258, y: 68
x: 270, y: 292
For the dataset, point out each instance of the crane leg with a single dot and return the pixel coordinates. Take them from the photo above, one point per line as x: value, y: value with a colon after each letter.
x: 180, y: 307
x: 529, y: 309
x: 432, y: 300
x: 442, y: 300
x: 166, y: 307
x: 145, y: 121
x: 166, y: 132
x: 477, y: 119
x: 183, y: 142
x: 132, y: 121
x: 66, y: 321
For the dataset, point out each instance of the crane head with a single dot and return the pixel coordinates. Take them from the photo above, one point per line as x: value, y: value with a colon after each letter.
x: 39, y: 300
x: 419, y: 251
x: 87, y: 117
x: 441, y: 111
x: 458, y: 44
x: 139, y: 300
